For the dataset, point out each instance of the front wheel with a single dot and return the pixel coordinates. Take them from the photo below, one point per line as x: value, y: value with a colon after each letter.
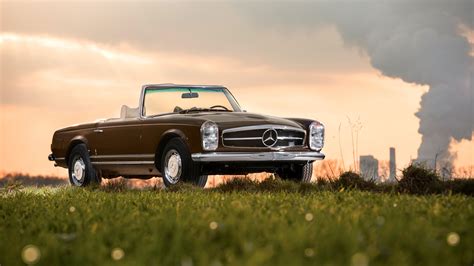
x: 297, y: 172
x: 177, y: 165
x: 81, y: 171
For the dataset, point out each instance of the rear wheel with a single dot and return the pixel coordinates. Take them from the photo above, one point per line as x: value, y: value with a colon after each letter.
x: 297, y: 172
x: 177, y: 165
x: 81, y: 171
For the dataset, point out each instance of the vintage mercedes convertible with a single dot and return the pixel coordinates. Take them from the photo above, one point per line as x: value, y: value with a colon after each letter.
x: 184, y: 133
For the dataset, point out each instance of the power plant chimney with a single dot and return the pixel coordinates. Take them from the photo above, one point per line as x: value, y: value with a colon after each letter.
x: 393, y: 165
x: 369, y: 167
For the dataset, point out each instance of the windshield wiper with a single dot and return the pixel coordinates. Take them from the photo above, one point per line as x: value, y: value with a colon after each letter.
x: 194, y: 109
x: 198, y: 109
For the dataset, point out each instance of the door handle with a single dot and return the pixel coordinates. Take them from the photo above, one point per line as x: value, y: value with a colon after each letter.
x: 98, y: 131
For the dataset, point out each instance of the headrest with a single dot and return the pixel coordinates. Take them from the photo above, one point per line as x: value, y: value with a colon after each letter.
x: 127, y: 112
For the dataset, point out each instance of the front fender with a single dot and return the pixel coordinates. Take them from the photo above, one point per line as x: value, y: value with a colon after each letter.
x: 170, y: 133
x: 303, y: 122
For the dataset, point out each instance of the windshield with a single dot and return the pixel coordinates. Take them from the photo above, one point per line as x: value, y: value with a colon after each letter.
x: 186, y: 100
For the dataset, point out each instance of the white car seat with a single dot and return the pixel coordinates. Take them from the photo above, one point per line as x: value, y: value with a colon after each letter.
x: 127, y: 112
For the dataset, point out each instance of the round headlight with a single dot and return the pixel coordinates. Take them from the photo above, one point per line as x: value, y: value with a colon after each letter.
x: 209, y: 136
x: 316, y: 136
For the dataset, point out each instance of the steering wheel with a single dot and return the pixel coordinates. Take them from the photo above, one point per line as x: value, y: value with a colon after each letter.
x: 219, y: 106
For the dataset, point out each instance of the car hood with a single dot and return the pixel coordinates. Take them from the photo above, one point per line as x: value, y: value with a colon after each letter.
x: 238, y: 119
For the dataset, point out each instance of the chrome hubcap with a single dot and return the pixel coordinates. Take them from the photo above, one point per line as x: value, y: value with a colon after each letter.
x: 173, y: 166
x: 79, y: 170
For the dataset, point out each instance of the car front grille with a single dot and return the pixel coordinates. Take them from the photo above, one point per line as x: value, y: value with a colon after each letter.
x: 263, y: 136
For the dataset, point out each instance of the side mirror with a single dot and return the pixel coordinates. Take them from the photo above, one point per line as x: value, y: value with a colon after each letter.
x: 189, y: 95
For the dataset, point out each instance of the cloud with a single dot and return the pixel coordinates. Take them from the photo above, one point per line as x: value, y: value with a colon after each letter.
x: 62, y: 72
x: 206, y: 29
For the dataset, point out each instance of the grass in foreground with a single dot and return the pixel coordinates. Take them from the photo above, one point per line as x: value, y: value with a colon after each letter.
x: 240, y: 223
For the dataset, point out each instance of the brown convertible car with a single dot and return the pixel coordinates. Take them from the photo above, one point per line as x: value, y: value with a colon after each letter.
x: 185, y: 133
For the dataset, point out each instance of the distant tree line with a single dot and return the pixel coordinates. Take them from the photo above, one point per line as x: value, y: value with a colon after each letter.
x: 32, y: 180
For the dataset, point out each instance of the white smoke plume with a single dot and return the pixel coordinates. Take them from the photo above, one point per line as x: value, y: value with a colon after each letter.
x: 421, y: 43
x: 417, y: 41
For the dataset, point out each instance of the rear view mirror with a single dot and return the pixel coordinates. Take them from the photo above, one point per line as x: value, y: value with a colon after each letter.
x: 189, y: 95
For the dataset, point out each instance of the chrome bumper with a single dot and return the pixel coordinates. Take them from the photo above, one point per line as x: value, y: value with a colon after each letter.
x: 257, y: 156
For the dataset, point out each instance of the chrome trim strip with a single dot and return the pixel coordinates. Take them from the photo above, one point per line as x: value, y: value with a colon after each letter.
x: 290, y: 138
x: 124, y: 162
x: 247, y: 138
x: 60, y: 158
x: 268, y: 126
x: 259, y: 138
x: 122, y: 156
x: 256, y: 156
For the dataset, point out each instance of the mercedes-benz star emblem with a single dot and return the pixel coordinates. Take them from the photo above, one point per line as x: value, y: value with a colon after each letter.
x: 270, y: 137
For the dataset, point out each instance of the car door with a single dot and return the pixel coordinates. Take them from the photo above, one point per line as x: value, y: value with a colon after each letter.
x: 117, y: 141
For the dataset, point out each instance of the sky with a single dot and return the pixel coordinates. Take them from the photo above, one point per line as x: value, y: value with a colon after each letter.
x: 66, y: 62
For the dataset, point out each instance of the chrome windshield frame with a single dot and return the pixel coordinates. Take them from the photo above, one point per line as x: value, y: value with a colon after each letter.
x: 141, y: 104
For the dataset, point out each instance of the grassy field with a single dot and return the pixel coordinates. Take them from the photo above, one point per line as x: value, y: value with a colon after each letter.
x: 287, y: 224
